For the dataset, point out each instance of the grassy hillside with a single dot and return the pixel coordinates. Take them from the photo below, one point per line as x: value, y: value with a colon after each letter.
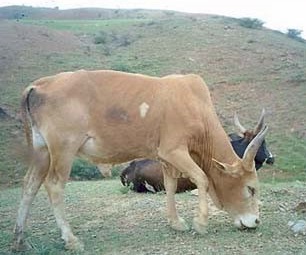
x: 246, y: 70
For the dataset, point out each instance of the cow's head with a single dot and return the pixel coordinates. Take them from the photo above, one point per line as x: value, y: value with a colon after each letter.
x: 241, y: 141
x: 235, y: 186
x: 128, y: 174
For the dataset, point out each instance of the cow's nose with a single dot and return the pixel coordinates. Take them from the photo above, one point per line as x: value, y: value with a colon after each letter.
x: 270, y: 161
x: 243, y: 225
x: 247, y: 221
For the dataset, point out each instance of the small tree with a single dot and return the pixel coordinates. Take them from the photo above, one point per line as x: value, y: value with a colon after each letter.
x: 100, y: 38
x: 251, y: 23
x: 295, y: 34
x: 83, y: 170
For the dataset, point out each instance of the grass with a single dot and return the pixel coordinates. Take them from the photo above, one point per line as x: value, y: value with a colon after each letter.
x: 12, y: 170
x: 86, y: 26
x: 110, y: 222
x: 289, y: 154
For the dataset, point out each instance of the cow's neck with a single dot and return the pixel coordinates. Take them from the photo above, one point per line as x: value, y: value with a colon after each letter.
x: 217, y: 180
x: 214, y: 143
x: 223, y: 150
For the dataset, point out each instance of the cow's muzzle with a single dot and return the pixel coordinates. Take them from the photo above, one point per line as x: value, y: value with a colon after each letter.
x: 247, y: 221
x: 270, y: 161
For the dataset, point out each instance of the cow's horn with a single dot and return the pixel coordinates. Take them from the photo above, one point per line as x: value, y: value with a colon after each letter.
x: 238, y: 124
x: 260, y: 123
x: 251, y: 150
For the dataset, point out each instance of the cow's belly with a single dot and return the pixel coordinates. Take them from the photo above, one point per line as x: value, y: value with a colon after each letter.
x: 99, y: 150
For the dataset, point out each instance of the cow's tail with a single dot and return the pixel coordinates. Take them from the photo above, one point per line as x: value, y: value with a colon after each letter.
x: 26, y: 116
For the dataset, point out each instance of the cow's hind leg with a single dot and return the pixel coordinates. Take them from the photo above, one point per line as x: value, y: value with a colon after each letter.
x: 55, y: 184
x: 35, y: 176
x: 175, y: 221
x: 182, y: 161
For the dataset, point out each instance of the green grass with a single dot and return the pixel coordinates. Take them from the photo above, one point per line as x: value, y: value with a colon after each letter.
x: 289, y: 154
x: 110, y: 222
x: 86, y: 26
x: 11, y: 164
x: 290, y: 157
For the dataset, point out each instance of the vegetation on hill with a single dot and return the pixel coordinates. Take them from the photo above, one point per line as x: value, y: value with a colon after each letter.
x: 246, y: 69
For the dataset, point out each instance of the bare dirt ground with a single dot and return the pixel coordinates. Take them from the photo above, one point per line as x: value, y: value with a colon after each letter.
x: 23, y: 41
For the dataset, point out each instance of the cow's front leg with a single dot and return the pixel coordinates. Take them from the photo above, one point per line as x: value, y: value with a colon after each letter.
x: 175, y: 221
x: 181, y: 160
x: 201, y: 218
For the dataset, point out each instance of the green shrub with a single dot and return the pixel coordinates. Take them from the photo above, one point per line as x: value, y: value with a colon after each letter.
x: 124, y: 41
x: 116, y: 170
x: 107, y: 50
x: 100, y: 38
x: 295, y: 34
x: 297, y: 77
x: 119, y: 66
x: 251, y: 23
x: 82, y: 170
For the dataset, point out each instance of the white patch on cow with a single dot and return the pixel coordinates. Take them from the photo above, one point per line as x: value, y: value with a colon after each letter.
x: 143, y: 108
x: 149, y: 187
x: 270, y: 155
x: 194, y: 192
x: 38, y: 140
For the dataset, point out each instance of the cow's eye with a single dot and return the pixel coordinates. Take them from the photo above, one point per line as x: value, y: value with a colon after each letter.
x: 252, y: 191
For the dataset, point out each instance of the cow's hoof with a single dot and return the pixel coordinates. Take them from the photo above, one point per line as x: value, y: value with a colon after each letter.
x: 179, y: 225
x: 20, y: 246
x: 74, y: 245
x: 199, y: 226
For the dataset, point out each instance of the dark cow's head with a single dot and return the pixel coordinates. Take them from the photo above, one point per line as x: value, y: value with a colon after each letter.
x: 242, y: 140
x: 143, y: 176
x: 128, y: 174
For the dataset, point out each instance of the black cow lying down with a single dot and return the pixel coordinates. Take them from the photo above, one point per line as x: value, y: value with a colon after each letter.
x: 146, y: 175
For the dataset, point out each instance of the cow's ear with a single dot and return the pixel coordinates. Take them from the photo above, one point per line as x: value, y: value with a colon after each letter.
x: 226, y: 168
x: 220, y: 166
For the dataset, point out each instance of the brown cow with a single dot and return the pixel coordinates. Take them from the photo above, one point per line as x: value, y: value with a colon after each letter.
x: 114, y: 117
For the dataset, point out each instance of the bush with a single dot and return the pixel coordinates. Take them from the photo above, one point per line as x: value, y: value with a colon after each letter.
x: 116, y: 170
x: 251, y: 23
x: 295, y: 34
x: 107, y: 50
x: 298, y: 77
x: 124, y: 41
x: 121, y: 40
x: 100, y: 38
x: 82, y: 170
x: 120, y: 66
